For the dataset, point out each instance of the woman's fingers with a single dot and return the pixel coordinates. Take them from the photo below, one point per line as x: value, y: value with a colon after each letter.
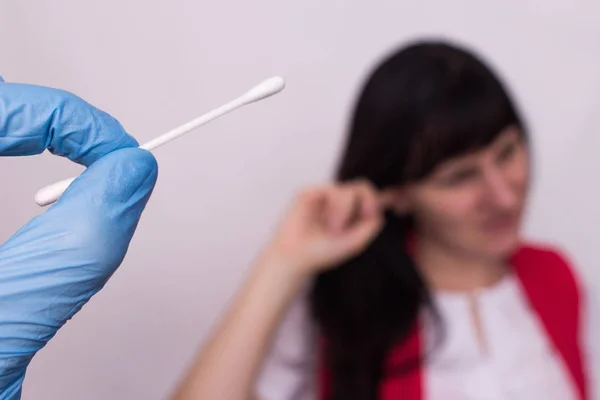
x: 328, y: 224
x: 349, y: 205
x: 367, y: 220
x: 369, y: 200
x: 340, y: 206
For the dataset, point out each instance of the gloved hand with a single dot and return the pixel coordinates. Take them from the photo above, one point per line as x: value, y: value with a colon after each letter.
x: 53, y: 265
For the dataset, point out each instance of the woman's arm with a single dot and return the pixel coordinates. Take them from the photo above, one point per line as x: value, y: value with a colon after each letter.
x: 325, y: 226
x: 228, y: 366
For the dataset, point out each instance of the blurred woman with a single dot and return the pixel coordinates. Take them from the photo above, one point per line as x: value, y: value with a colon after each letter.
x: 408, y: 277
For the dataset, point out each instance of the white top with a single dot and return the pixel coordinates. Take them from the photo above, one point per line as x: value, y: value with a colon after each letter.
x: 518, y: 364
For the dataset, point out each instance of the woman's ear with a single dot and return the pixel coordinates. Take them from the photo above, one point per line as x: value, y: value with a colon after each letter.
x: 397, y: 200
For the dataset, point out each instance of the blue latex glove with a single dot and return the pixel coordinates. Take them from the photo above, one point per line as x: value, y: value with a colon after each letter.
x: 53, y: 265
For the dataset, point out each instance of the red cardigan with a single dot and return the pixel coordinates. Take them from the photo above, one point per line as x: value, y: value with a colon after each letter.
x: 553, y: 292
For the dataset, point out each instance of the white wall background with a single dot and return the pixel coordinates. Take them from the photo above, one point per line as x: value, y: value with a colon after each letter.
x: 154, y: 65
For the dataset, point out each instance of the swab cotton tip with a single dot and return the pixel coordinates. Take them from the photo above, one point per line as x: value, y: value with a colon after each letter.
x: 49, y: 194
x: 265, y: 89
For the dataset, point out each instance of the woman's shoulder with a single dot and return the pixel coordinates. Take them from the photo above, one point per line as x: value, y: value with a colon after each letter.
x: 550, y: 262
x: 557, y: 269
x: 543, y: 251
x: 536, y: 253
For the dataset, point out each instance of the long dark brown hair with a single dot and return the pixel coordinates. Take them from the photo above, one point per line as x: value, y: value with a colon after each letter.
x: 422, y: 105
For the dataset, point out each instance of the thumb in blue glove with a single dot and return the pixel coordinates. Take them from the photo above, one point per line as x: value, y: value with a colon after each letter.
x: 52, y: 266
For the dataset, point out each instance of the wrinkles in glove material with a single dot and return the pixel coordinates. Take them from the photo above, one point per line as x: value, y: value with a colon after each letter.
x: 35, y: 118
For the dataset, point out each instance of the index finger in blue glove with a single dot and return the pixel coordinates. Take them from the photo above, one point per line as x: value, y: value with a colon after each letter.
x: 35, y: 118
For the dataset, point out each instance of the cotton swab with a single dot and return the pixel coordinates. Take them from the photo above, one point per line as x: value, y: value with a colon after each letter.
x: 49, y: 194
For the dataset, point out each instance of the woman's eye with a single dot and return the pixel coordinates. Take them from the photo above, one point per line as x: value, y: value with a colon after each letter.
x: 459, y: 177
x: 507, y: 152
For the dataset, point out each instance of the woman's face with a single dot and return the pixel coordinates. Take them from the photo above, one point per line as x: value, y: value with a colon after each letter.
x: 475, y: 202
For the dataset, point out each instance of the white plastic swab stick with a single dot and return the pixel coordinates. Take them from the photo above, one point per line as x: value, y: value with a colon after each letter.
x: 49, y: 194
